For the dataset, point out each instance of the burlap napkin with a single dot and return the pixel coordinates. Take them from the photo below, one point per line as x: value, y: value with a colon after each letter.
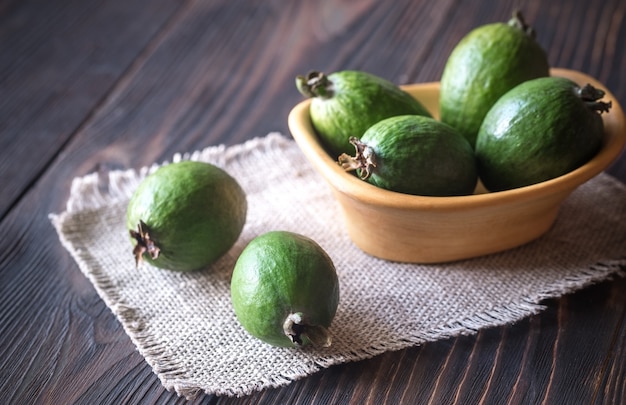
x: 184, y: 326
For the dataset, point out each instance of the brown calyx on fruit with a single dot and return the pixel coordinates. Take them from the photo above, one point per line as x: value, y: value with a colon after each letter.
x: 517, y: 21
x: 144, y: 243
x: 591, y: 96
x: 296, y: 327
x: 314, y: 84
x: 363, y: 160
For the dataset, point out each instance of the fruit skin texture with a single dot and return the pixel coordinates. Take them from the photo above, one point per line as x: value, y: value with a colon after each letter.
x: 194, y: 212
x: 347, y: 103
x: 537, y: 131
x: 421, y: 156
x: 280, y: 273
x: 485, y: 64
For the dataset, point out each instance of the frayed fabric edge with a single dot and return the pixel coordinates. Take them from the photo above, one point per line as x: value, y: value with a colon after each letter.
x: 91, y: 191
x: 162, y: 364
x: 172, y: 374
x: 501, y: 315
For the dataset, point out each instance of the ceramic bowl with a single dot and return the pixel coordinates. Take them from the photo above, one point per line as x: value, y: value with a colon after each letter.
x: 408, y: 228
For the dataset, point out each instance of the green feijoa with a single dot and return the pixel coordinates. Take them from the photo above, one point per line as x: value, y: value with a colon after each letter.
x: 414, y: 154
x: 485, y: 64
x: 285, y: 290
x: 539, y: 130
x: 348, y: 102
x: 185, y: 215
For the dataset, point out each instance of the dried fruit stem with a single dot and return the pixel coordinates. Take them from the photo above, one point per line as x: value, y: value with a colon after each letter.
x: 517, y: 20
x: 144, y: 243
x: 295, y: 328
x: 314, y: 84
x: 590, y: 95
x: 363, y: 160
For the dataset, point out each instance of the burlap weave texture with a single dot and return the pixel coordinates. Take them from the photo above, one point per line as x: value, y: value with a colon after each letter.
x: 183, y: 323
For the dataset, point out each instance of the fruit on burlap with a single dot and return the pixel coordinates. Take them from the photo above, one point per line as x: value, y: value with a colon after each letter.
x: 185, y: 216
x: 414, y: 154
x: 539, y: 130
x: 285, y: 290
x: 348, y: 102
x: 485, y: 64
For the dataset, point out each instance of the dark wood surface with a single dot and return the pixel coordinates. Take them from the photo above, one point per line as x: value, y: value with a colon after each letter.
x: 89, y: 85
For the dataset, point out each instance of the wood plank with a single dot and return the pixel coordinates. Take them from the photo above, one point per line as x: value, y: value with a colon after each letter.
x: 516, y: 364
x: 59, y: 60
x: 611, y: 388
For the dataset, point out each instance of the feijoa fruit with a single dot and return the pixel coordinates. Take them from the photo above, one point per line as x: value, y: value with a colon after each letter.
x: 485, y: 64
x: 348, y: 102
x: 539, y: 130
x: 414, y: 154
x: 285, y: 290
x: 185, y: 215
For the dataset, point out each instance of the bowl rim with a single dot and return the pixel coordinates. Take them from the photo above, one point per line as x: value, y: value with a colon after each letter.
x: 348, y: 184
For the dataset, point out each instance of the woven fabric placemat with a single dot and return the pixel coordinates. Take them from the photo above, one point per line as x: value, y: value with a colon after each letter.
x: 183, y: 323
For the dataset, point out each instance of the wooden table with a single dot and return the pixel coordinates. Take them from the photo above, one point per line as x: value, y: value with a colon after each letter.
x: 92, y: 85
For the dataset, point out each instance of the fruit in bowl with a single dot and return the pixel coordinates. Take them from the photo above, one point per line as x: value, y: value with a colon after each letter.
x: 539, y: 130
x: 348, y: 102
x: 424, y: 229
x: 486, y: 63
x: 414, y: 154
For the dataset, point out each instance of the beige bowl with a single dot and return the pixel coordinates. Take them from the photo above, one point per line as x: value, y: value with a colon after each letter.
x: 408, y: 228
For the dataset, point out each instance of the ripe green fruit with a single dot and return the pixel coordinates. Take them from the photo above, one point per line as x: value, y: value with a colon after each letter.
x: 539, y: 130
x: 348, y: 102
x: 185, y: 215
x: 485, y: 64
x: 413, y: 154
x: 284, y: 290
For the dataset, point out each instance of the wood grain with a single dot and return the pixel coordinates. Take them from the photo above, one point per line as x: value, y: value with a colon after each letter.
x: 92, y: 86
x: 59, y: 59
